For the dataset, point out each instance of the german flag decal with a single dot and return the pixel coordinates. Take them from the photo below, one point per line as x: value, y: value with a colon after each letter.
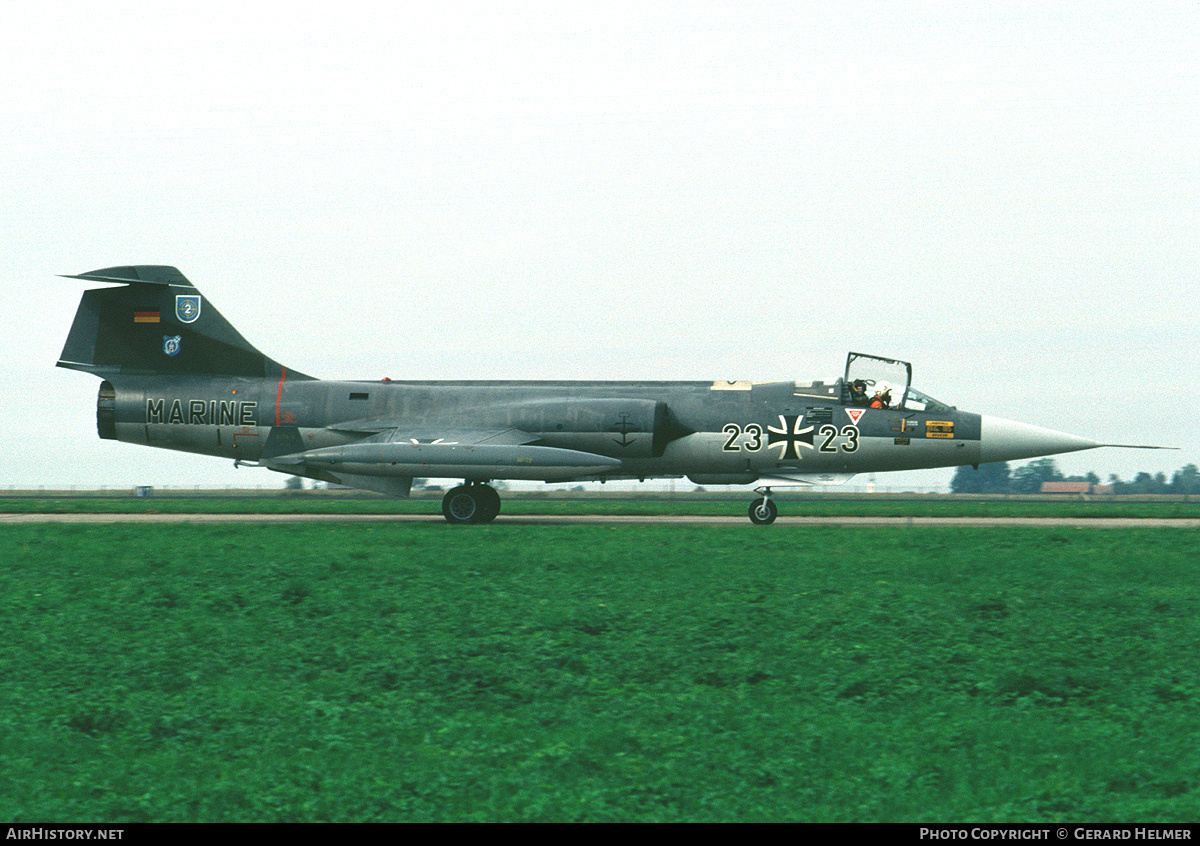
x: 145, y: 317
x: 939, y: 428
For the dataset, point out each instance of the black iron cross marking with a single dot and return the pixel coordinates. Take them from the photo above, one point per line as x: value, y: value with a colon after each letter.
x: 789, y: 434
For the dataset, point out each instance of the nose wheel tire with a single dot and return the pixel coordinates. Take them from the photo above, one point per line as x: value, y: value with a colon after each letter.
x: 763, y: 512
x: 471, y: 504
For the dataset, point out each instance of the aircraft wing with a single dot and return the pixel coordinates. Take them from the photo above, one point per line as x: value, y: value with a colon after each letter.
x: 806, y: 478
x: 394, y: 453
x: 395, y: 430
x: 457, y: 437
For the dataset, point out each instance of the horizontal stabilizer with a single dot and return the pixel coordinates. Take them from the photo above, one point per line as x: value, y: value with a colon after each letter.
x: 149, y: 274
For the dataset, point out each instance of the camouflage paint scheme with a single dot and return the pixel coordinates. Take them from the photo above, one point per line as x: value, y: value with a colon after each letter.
x: 178, y: 376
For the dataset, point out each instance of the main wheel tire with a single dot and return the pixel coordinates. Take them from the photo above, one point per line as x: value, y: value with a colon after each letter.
x: 489, y: 502
x: 763, y: 512
x: 460, y: 506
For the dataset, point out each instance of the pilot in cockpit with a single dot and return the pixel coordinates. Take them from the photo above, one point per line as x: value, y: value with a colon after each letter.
x: 858, y: 392
x: 883, y: 396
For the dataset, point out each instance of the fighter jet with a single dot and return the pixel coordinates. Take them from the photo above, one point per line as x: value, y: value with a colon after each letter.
x: 177, y: 375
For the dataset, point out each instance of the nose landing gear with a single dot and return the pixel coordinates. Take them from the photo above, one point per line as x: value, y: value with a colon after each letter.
x: 763, y: 511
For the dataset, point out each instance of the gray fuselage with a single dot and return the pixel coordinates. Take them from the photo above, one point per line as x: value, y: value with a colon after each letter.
x: 730, y: 432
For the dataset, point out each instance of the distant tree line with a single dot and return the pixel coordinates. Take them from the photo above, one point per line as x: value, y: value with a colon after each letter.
x: 1028, y: 478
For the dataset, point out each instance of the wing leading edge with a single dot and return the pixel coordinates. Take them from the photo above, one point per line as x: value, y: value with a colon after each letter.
x: 471, y: 455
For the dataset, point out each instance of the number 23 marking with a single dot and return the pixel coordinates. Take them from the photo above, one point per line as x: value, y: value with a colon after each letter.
x: 733, y: 430
x: 831, y: 432
x: 755, y: 434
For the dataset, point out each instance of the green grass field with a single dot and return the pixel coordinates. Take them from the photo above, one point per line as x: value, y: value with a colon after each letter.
x: 426, y: 672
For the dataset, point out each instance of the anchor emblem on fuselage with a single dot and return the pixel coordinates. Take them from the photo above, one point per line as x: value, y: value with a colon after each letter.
x: 624, y: 427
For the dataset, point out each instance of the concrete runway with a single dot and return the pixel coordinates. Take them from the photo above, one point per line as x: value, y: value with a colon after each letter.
x: 615, y: 520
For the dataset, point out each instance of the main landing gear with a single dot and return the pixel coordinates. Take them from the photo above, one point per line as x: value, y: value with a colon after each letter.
x: 763, y: 511
x: 471, y: 503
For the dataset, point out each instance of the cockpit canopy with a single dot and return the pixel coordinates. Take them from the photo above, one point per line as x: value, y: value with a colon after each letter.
x: 914, y: 400
x: 872, y: 379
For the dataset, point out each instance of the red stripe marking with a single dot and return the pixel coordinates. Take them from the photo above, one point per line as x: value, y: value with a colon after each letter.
x: 279, y: 392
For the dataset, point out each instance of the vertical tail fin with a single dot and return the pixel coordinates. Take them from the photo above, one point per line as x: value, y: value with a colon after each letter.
x: 157, y: 323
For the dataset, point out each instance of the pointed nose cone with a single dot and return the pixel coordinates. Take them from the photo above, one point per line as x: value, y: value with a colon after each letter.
x: 1006, y: 440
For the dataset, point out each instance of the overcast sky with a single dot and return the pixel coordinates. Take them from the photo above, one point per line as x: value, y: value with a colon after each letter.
x: 1005, y: 194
